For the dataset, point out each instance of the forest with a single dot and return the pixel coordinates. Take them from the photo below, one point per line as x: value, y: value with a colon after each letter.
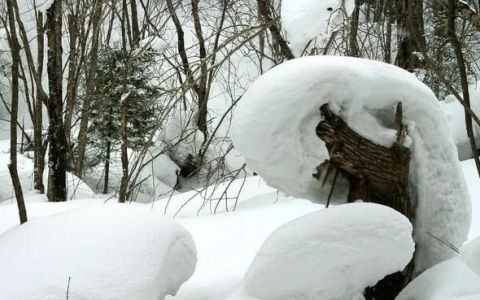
x: 240, y: 149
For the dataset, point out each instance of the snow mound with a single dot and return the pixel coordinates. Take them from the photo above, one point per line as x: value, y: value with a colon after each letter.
x: 106, y: 251
x: 470, y: 254
x: 274, y: 128
x: 76, y: 188
x: 304, y: 20
x: 449, y: 280
x: 334, y: 253
x: 455, y: 114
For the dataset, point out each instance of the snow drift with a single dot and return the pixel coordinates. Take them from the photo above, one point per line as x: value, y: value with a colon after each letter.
x: 107, y: 252
x: 334, y: 253
x: 304, y: 20
x: 274, y: 128
x: 449, y: 280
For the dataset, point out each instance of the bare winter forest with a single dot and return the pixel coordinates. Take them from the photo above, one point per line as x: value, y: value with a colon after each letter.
x: 240, y: 149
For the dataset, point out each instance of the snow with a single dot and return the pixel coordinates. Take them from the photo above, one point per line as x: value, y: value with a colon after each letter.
x: 334, y: 253
x: 274, y: 128
x: 455, y: 115
x: 449, y: 280
x: 304, y: 20
x: 76, y: 188
x: 471, y: 174
x: 228, y: 242
x: 470, y: 254
x: 107, y: 252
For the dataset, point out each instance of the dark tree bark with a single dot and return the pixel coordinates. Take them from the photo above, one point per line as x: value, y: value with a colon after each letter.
x: 123, y: 190
x: 56, y: 131
x: 353, y: 45
x: 457, y: 47
x: 135, y: 27
x: 265, y: 13
x: 12, y: 165
x: 39, y: 147
x: 376, y: 174
x: 107, y: 167
x: 410, y: 25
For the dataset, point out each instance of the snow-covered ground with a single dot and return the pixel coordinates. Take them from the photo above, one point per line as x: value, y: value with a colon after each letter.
x: 226, y: 242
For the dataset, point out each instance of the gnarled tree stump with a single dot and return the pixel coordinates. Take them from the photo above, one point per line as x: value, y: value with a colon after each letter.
x: 376, y: 174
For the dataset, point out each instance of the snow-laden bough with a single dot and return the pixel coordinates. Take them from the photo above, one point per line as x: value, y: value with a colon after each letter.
x: 274, y: 128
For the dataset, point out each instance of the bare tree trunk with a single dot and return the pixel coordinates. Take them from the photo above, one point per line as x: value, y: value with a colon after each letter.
x: 39, y: 149
x: 353, y: 49
x: 457, y: 47
x: 107, y: 167
x: 201, y: 90
x: 72, y: 75
x: 82, y: 135
x: 122, y: 198
x: 135, y: 27
x: 56, y: 130
x: 264, y: 10
x: 12, y: 166
x: 409, y: 26
x: 389, y: 15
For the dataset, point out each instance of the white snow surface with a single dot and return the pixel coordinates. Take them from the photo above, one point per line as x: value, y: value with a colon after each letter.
x: 304, y: 20
x: 334, y: 253
x: 449, y: 280
x: 107, y: 251
x: 455, y: 114
x: 274, y: 128
x: 76, y: 188
x: 470, y: 254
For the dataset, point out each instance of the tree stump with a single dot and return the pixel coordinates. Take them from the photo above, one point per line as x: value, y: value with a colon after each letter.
x: 376, y: 174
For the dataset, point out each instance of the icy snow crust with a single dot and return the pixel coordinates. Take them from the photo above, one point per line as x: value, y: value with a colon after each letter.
x: 274, y: 128
x: 108, y: 252
x: 330, y: 254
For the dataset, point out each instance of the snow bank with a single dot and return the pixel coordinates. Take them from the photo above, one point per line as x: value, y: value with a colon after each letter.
x: 304, y: 20
x: 76, y: 188
x: 274, y: 128
x: 470, y: 254
x: 471, y: 175
x: 218, y: 197
x: 334, y: 253
x: 228, y: 242
x: 108, y: 252
x: 449, y: 280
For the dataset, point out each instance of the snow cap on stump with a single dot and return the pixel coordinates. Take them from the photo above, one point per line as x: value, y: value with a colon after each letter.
x: 334, y: 253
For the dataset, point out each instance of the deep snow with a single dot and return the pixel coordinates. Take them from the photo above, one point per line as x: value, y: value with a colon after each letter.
x: 100, y: 252
x: 330, y: 254
x: 274, y: 128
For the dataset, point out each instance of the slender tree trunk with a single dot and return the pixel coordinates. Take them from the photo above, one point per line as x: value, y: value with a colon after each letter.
x: 457, y: 47
x: 122, y: 198
x: 107, y: 167
x: 90, y: 88
x: 135, y: 27
x: 354, y: 51
x: 410, y: 25
x: 56, y: 131
x: 264, y: 10
x: 39, y: 151
x: 72, y: 75
x: 12, y: 165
